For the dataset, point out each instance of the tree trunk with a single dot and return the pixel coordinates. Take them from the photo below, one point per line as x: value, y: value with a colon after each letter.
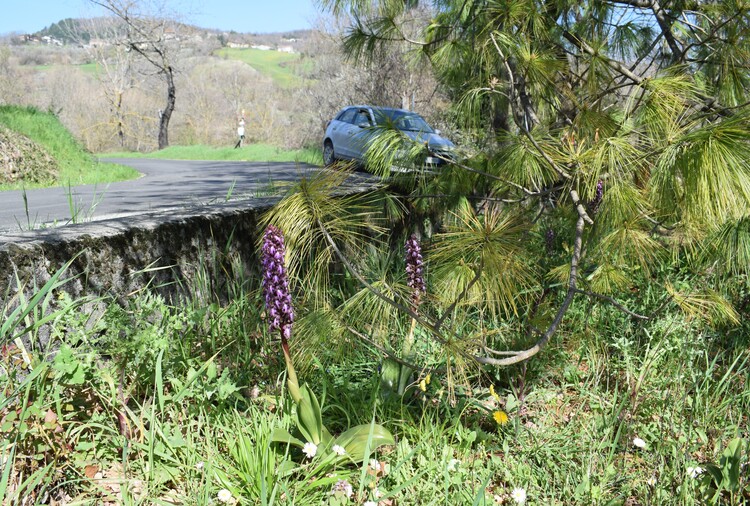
x: 166, y: 115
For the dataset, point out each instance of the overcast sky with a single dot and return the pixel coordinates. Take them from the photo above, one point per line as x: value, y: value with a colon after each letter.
x: 253, y: 16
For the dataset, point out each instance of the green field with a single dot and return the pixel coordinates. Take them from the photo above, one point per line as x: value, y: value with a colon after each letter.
x: 86, y: 68
x: 274, y: 64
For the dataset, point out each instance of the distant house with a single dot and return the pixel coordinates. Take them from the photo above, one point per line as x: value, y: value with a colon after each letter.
x: 238, y: 45
x: 51, y: 41
x: 286, y: 49
x: 262, y: 47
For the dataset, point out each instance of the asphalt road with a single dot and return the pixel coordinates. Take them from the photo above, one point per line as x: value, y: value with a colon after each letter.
x: 165, y: 185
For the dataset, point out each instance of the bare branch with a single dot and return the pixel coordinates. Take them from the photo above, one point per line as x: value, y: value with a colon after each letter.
x: 520, y: 356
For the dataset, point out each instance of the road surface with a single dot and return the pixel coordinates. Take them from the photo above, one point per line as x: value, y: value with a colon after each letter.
x: 165, y: 185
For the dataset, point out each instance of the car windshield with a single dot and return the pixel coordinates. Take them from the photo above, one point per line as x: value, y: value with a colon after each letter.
x: 402, y: 120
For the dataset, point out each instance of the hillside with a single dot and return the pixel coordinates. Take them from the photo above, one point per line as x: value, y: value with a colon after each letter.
x: 277, y: 65
x: 23, y: 160
x: 37, y: 150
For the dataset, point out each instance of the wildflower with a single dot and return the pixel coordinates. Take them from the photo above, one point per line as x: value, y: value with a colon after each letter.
x: 694, y: 472
x: 453, y: 465
x: 651, y: 482
x: 199, y: 466
x: 423, y: 385
x: 377, y: 493
x: 255, y: 392
x: 342, y: 487
x: 594, y: 204
x: 414, y: 276
x: 500, y: 416
x: 369, y: 503
x: 518, y: 495
x: 339, y: 450
x: 275, y: 284
x: 310, y: 449
x: 639, y: 443
x: 224, y: 496
x: 375, y: 465
x: 493, y: 393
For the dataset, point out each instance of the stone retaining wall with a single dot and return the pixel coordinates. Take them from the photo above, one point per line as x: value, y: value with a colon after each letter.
x: 118, y: 257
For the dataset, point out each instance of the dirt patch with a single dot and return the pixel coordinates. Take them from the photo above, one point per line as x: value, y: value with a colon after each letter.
x: 22, y: 159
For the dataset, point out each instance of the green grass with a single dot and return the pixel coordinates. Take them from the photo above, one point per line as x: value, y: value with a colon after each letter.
x: 274, y: 64
x: 87, y: 68
x: 204, y: 386
x: 76, y: 165
x: 248, y: 153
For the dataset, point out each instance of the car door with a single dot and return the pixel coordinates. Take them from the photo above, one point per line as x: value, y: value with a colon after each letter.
x: 360, y: 134
x: 341, y: 131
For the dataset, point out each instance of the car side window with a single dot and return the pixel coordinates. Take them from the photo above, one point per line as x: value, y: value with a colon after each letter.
x: 347, y: 116
x: 363, y: 119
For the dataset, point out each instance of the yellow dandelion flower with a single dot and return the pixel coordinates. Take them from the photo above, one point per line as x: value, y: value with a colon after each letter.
x: 427, y: 379
x: 500, y: 416
x: 423, y: 385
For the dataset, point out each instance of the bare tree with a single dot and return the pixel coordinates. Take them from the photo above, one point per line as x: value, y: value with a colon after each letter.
x: 149, y: 33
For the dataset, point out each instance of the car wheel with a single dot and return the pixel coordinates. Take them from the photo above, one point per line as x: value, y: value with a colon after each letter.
x: 328, y: 154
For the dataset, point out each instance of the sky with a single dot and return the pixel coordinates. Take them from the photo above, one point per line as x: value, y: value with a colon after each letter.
x: 246, y: 16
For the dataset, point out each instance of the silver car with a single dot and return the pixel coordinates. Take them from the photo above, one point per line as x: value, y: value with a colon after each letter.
x: 348, y: 135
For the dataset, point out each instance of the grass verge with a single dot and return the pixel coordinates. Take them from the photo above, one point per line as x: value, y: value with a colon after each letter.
x: 248, y: 153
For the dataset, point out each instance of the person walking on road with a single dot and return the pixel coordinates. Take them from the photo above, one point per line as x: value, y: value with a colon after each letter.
x: 240, y: 132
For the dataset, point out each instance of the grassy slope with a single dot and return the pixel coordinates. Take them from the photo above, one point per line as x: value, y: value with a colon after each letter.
x: 76, y: 165
x: 279, y: 66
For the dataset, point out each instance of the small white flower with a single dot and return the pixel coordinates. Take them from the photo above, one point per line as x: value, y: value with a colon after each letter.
x: 453, y: 465
x: 370, y: 503
x: 310, y: 449
x: 344, y: 487
x: 651, y: 482
x: 518, y: 495
x: 224, y: 496
x: 694, y: 472
x: 339, y: 450
x: 375, y: 465
x: 199, y: 466
x: 377, y: 493
x: 639, y: 443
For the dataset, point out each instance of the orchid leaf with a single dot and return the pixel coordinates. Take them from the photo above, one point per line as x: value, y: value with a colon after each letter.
x: 280, y: 435
x: 356, y: 439
x: 309, y: 418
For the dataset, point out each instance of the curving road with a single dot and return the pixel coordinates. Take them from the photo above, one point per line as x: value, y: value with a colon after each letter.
x: 165, y: 185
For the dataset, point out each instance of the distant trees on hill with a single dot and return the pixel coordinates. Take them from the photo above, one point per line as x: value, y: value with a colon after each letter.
x: 68, y: 31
